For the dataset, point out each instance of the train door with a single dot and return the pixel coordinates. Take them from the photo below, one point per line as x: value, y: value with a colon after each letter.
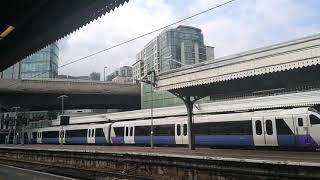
x: 62, y: 136
x: 301, y: 129
x: 107, y: 131
x: 270, y: 131
x: 264, y: 131
x: 181, y: 134
x: 91, y: 135
x: 39, y: 136
x: 258, y: 134
x: 129, y: 134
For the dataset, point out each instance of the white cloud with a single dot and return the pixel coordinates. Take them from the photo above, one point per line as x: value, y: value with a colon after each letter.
x: 130, y: 20
x: 236, y: 27
x: 251, y: 24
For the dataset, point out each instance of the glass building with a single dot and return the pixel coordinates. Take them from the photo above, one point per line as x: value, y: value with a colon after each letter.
x: 173, y: 48
x: 181, y: 45
x: 42, y: 64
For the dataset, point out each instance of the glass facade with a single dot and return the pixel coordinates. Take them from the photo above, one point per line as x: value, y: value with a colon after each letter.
x: 171, y: 49
x: 42, y: 64
x: 183, y: 44
x: 161, y: 98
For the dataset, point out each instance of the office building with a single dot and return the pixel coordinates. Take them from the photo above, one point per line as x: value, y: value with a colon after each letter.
x: 172, y: 49
x: 121, y: 75
x: 42, y: 64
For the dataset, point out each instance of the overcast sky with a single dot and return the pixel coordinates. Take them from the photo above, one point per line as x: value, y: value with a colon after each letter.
x: 236, y: 27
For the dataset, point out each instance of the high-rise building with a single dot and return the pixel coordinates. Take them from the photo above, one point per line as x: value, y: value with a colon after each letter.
x: 121, y: 75
x: 172, y: 49
x: 42, y: 64
x: 94, y: 76
x: 181, y: 46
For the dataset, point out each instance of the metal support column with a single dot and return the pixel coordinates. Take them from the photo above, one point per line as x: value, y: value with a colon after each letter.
x: 189, y: 106
x: 189, y: 102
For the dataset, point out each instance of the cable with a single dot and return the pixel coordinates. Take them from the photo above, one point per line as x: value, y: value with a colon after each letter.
x: 138, y: 37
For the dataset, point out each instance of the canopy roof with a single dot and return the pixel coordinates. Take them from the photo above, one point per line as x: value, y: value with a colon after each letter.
x: 29, y: 25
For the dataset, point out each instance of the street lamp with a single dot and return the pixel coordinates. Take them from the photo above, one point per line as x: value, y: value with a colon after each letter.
x: 62, y: 103
x: 104, y: 73
x: 152, y: 83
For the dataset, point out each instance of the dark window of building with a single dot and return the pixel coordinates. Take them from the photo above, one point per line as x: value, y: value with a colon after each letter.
x: 282, y: 127
x: 119, y: 131
x: 178, y: 130
x: 99, y: 132
x: 142, y: 130
x: 163, y: 130
x: 224, y: 128
x: 76, y: 133
x: 127, y: 131
x: 269, y: 127
x: 50, y: 134
x: 131, y: 131
x: 314, y: 119
x: 184, y: 129
x: 258, y: 127
x: 300, y: 122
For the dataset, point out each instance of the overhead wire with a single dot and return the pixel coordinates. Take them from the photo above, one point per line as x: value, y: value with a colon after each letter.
x: 137, y: 37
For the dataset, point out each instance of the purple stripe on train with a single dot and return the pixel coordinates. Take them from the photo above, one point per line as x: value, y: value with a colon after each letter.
x: 223, y: 140
x: 76, y: 140
x: 117, y: 140
x: 156, y: 140
x: 296, y: 140
x: 50, y: 140
x: 33, y: 140
x: 101, y: 140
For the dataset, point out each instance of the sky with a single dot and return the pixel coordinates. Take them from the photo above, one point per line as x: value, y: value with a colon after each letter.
x: 239, y: 26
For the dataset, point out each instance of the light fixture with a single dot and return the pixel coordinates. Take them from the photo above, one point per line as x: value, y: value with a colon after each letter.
x: 7, y: 31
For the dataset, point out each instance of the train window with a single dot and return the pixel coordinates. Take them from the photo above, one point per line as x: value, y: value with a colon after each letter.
x: 34, y: 135
x: 75, y: 133
x: 314, y: 119
x: 178, y: 130
x: 282, y: 127
x: 50, y: 134
x: 127, y: 131
x: 131, y: 131
x: 258, y: 127
x: 224, y: 128
x: 92, y: 132
x: 269, y: 128
x: 119, y: 131
x: 184, y: 129
x: 99, y: 132
x: 163, y: 130
x: 300, y: 122
x: 142, y: 130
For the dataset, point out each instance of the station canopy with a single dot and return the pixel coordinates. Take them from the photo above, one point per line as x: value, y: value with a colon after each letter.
x: 27, y: 26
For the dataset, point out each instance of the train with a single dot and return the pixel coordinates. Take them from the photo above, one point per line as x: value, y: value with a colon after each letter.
x: 296, y: 127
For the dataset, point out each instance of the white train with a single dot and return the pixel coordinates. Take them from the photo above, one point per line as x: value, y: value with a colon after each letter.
x: 297, y: 127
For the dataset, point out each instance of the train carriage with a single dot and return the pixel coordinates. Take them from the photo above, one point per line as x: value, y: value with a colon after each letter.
x: 297, y: 127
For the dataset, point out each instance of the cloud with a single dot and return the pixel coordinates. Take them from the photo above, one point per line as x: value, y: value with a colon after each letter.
x: 236, y: 27
x: 249, y: 24
x: 130, y: 20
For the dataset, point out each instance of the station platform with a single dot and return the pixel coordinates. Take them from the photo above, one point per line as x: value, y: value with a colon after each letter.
x: 177, y: 162
x: 257, y: 156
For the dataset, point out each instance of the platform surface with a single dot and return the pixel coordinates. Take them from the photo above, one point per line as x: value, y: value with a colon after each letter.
x: 255, y: 156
